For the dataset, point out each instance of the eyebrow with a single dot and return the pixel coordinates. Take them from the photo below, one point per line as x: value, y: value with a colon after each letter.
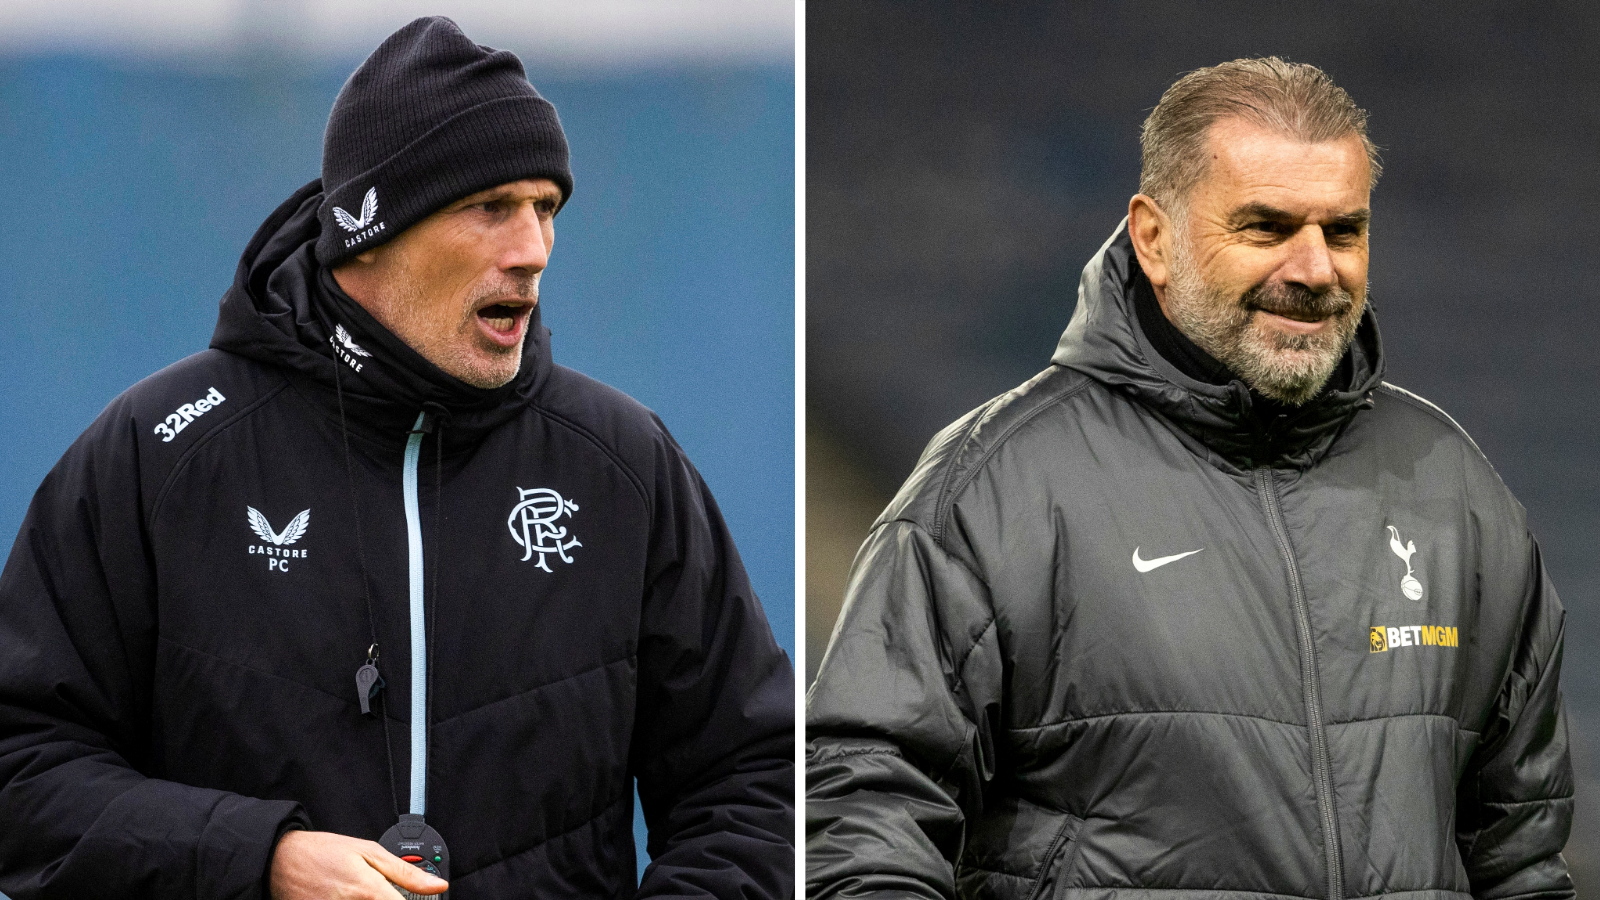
x: 1253, y: 211
x: 501, y: 193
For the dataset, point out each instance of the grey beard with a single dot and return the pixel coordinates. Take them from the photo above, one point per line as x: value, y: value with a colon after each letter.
x: 442, y: 349
x: 1291, y: 369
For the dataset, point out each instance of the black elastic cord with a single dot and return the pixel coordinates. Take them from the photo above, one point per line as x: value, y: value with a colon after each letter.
x: 366, y: 585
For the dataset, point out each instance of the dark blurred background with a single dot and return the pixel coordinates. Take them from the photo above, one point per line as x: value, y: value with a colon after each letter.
x: 142, y: 144
x: 965, y: 160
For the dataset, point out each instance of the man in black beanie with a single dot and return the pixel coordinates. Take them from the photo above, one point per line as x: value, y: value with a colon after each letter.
x: 434, y: 144
x: 372, y: 590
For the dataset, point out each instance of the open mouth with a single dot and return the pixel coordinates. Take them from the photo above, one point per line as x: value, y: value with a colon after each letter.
x: 503, y: 322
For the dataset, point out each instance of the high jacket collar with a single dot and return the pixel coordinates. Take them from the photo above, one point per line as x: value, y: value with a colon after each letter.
x: 1104, y: 340
x: 287, y: 311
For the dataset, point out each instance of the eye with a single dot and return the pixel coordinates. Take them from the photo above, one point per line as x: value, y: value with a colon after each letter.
x: 491, y: 206
x: 1343, y: 233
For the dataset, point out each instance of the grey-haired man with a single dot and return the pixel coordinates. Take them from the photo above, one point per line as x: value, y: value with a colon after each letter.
x: 1206, y: 608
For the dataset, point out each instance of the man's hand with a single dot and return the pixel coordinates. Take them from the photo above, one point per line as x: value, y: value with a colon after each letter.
x: 320, y: 865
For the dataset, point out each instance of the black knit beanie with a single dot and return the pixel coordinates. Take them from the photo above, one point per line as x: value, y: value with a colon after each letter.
x: 429, y: 118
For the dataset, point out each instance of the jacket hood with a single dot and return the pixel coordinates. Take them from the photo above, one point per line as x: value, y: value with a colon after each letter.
x: 1105, y: 341
x: 286, y: 310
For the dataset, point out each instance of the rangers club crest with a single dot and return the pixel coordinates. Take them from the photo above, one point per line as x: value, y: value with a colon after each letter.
x: 533, y: 525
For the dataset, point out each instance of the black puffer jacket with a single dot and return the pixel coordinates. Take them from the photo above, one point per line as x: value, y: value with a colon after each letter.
x: 1116, y: 637
x: 185, y: 610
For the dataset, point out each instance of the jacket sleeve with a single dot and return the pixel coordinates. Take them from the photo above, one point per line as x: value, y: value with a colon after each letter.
x: 900, y: 722
x: 1515, y: 803
x: 79, y: 818
x: 713, y: 742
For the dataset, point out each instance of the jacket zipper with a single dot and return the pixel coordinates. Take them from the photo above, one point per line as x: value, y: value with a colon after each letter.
x: 1310, y: 684
x: 419, y: 636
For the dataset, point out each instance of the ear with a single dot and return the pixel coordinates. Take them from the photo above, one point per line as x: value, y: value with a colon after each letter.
x: 1151, y: 231
x: 366, y: 257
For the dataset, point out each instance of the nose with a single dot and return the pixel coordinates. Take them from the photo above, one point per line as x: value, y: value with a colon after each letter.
x: 1310, y: 262
x: 527, y: 247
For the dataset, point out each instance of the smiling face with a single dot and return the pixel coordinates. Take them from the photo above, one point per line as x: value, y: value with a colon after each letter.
x: 1265, y: 266
x: 459, y: 286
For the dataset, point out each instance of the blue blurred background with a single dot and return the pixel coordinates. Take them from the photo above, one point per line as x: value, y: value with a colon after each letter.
x: 136, y: 172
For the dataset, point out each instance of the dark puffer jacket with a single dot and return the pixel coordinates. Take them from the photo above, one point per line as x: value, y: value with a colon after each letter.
x: 1113, y: 637
x: 187, y: 604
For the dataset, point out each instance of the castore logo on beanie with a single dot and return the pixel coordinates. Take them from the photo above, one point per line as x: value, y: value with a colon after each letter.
x: 369, y: 212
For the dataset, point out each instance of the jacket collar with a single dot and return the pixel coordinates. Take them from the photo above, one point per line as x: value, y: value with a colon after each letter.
x: 287, y: 311
x: 1105, y: 341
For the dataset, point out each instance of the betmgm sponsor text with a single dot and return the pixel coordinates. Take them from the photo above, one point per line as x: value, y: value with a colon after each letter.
x: 1392, y: 637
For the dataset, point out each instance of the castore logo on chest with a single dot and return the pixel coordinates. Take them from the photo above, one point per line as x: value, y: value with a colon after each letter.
x: 275, y: 544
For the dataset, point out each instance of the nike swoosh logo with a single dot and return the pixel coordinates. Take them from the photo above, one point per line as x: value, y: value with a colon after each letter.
x: 1145, y: 565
